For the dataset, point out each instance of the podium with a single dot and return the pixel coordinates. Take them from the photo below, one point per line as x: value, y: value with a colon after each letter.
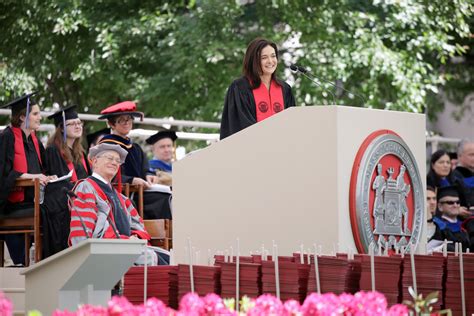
x: 285, y: 179
x: 83, y: 274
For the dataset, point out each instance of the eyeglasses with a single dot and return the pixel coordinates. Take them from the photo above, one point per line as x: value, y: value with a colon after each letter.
x: 450, y: 202
x: 79, y: 124
x: 125, y: 120
x: 111, y: 159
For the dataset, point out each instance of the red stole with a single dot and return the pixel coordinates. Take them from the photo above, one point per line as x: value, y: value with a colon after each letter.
x: 20, y: 163
x: 268, y: 102
x: 70, y: 166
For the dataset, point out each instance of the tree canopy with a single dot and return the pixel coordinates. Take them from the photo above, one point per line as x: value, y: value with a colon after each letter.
x: 177, y: 58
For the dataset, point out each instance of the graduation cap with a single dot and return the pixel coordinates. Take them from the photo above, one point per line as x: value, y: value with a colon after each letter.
x: 92, y: 137
x: 447, y: 191
x: 61, y: 116
x: 160, y: 135
x: 23, y: 102
x: 122, y: 108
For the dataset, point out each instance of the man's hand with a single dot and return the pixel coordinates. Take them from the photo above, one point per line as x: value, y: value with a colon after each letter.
x: 141, y: 182
x: 152, y: 179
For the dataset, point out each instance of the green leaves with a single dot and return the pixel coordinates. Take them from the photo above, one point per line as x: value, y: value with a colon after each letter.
x: 177, y: 58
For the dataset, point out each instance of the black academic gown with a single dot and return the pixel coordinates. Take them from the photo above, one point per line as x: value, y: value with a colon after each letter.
x: 156, y: 205
x: 450, y: 232
x: 240, y: 109
x: 8, y: 176
x: 55, y: 211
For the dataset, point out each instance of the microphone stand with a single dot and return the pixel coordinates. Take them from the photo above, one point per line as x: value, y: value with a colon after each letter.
x: 350, y: 92
x: 319, y: 85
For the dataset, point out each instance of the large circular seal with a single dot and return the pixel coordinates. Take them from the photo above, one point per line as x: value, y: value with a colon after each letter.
x: 386, y: 194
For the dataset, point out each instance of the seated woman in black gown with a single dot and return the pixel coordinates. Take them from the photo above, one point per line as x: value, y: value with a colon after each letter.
x: 64, y: 154
x: 21, y: 157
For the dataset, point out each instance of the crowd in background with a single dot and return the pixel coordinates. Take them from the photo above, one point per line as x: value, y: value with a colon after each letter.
x: 450, y: 197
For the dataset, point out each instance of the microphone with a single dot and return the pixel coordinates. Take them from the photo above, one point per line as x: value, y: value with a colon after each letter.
x: 316, y: 81
x: 303, y: 70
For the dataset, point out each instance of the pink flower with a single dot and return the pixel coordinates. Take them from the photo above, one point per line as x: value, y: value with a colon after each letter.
x: 371, y: 303
x: 316, y: 304
x: 63, y: 313
x: 292, y: 307
x: 266, y: 304
x: 6, y: 307
x: 154, y: 306
x: 191, y: 304
x: 90, y: 310
x: 398, y: 310
x: 214, y: 305
x: 120, y: 306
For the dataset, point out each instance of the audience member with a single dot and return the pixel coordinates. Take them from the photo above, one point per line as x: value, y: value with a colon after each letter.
x: 431, y: 205
x: 95, y: 137
x: 64, y: 154
x: 21, y: 157
x: 163, y: 149
x: 453, y: 159
x: 448, y: 225
x: 465, y: 170
x: 258, y: 94
x: 99, y: 210
x: 156, y: 205
x: 440, y: 175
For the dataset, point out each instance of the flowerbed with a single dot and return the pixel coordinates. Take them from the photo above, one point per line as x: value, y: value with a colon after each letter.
x: 361, y: 303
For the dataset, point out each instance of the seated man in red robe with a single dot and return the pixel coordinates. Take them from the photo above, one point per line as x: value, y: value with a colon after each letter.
x: 100, y: 211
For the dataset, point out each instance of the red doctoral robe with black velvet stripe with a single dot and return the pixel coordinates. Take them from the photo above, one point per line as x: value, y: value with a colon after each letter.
x: 94, y: 208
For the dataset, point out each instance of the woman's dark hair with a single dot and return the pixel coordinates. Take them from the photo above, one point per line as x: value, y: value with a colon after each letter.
x: 252, y: 66
x: 73, y: 154
x: 16, y: 120
x: 432, y: 178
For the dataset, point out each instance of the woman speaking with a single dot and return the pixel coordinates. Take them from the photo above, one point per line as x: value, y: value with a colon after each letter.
x: 258, y: 94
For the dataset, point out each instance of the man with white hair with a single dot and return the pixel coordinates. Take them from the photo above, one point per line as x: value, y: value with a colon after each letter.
x: 465, y: 171
x: 99, y: 210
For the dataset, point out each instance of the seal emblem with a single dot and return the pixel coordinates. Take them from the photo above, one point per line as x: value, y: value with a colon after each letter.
x: 277, y: 107
x: 263, y: 106
x: 386, y: 194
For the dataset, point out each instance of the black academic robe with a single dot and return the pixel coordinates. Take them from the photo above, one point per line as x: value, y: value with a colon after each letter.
x: 451, y: 232
x: 466, y: 177
x: 156, y: 205
x: 54, y: 210
x: 239, y: 107
x: 8, y: 175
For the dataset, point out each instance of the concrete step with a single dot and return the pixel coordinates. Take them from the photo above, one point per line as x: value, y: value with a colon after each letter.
x: 13, y: 285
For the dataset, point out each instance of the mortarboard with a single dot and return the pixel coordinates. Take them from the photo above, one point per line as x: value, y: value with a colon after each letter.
x: 447, y: 191
x: 92, y: 137
x: 122, y: 108
x: 61, y: 116
x: 160, y: 135
x: 23, y: 102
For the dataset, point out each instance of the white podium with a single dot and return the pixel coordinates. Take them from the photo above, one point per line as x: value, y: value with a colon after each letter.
x: 285, y: 179
x: 83, y: 274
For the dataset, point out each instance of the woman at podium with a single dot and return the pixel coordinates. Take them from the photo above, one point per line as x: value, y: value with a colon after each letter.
x: 258, y: 94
